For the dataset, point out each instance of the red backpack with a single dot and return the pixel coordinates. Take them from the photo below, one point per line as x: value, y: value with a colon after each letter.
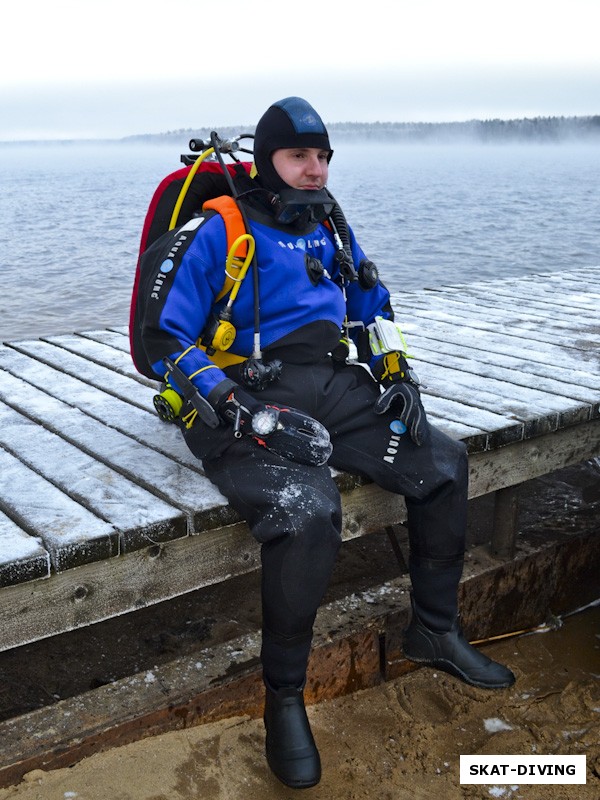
x: 208, y: 190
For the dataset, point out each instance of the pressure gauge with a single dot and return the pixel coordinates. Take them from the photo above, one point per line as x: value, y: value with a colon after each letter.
x: 265, y: 422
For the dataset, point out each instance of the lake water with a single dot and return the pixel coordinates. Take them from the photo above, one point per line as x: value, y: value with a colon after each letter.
x: 427, y: 215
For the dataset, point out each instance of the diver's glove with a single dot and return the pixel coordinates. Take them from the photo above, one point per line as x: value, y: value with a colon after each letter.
x: 401, y: 394
x: 237, y: 407
x: 282, y: 430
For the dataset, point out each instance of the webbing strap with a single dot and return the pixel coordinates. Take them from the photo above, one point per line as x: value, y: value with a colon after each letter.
x: 234, y: 228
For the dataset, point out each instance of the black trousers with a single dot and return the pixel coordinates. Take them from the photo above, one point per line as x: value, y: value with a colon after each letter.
x: 294, y: 511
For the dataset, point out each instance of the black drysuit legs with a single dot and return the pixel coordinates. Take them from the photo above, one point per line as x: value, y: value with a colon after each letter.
x: 294, y: 511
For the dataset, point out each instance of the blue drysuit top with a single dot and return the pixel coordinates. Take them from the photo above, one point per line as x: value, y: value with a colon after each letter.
x: 300, y: 317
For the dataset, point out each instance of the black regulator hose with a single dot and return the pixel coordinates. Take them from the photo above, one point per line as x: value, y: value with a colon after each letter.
x: 341, y: 231
x: 367, y: 274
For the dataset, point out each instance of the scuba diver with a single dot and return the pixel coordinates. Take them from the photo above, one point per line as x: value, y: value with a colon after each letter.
x: 268, y: 420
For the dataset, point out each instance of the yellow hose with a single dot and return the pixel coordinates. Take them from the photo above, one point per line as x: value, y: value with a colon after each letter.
x: 246, y: 237
x: 186, y: 186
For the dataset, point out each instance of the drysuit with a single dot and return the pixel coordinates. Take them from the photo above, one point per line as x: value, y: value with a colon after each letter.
x: 292, y: 509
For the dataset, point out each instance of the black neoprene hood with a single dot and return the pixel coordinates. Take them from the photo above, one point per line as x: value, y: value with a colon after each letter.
x: 291, y: 122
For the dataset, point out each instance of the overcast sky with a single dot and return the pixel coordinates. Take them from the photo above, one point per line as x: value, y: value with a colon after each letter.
x: 111, y: 68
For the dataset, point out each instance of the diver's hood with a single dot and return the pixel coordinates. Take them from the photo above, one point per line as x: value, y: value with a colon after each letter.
x: 290, y: 205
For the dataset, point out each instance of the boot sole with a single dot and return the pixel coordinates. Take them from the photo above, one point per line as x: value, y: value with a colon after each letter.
x: 452, y: 669
x: 294, y: 784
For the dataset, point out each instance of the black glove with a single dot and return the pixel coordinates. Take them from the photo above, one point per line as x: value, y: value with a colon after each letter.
x: 401, y: 394
x: 238, y: 408
x: 286, y: 431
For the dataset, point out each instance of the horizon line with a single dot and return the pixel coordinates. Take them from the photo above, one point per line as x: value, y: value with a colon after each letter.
x: 357, y: 123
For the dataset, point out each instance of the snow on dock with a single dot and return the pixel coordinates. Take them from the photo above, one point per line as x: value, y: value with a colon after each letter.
x: 102, y: 502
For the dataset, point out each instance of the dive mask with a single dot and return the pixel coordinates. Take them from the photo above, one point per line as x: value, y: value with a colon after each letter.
x: 291, y: 204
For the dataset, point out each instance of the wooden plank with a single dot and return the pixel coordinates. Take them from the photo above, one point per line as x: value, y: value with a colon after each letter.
x: 577, y: 382
x: 524, y: 295
x: 119, y: 339
x: 22, y: 557
x: 578, y: 344
x: 504, y: 528
x: 570, y: 288
x: 490, y: 306
x: 548, y: 327
x: 101, y: 352
x: 530, y: 294
x: 498, y: 430
x: 91, y: 593
x: 574, y: 286
x: 139, y: 517
x: 529, y: 459
x: 71, y: 534
x: 581, y: 299
x: 540, y: 412
x: 502, y: 368
x: 97, y: 591
x: 486, y: 340
x: 173, y: 482
x: 474, y: 438
x: 134, y: 422
x: 104, y: 377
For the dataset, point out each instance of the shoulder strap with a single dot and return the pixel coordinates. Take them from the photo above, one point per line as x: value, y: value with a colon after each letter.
x: 234, y: 228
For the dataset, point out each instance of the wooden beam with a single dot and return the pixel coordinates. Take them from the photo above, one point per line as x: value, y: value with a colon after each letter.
x: 523, y: 461
x: 504, y: 528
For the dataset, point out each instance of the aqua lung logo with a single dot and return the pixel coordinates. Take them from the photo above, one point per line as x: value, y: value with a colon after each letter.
x: 168, y: 264
x: 165, y: 268
x: 304, y: 244
x: 398, y: 428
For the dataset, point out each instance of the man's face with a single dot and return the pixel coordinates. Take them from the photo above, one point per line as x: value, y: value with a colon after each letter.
x: 302, y: 167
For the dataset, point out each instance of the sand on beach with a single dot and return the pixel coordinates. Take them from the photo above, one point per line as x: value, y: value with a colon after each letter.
x: 399, y: 741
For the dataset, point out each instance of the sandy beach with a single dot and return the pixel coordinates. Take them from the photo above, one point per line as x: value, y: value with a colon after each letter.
x: 399, y: 741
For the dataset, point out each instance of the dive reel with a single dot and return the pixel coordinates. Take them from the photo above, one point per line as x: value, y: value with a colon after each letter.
x: 169, y: 403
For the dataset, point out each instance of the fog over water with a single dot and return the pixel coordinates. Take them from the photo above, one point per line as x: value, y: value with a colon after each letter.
x: 427, y: 215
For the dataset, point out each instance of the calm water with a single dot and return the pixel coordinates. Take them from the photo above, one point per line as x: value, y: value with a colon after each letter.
x: 427, y: 215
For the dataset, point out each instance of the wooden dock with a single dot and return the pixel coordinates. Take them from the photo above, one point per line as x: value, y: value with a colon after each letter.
x: 103, y: 510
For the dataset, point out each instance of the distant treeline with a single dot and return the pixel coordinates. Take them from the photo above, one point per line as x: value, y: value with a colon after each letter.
x: 536, y: 129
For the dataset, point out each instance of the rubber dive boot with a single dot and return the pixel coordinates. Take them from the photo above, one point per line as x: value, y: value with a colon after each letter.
x: 291, y: 751
x: 452, y: 653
